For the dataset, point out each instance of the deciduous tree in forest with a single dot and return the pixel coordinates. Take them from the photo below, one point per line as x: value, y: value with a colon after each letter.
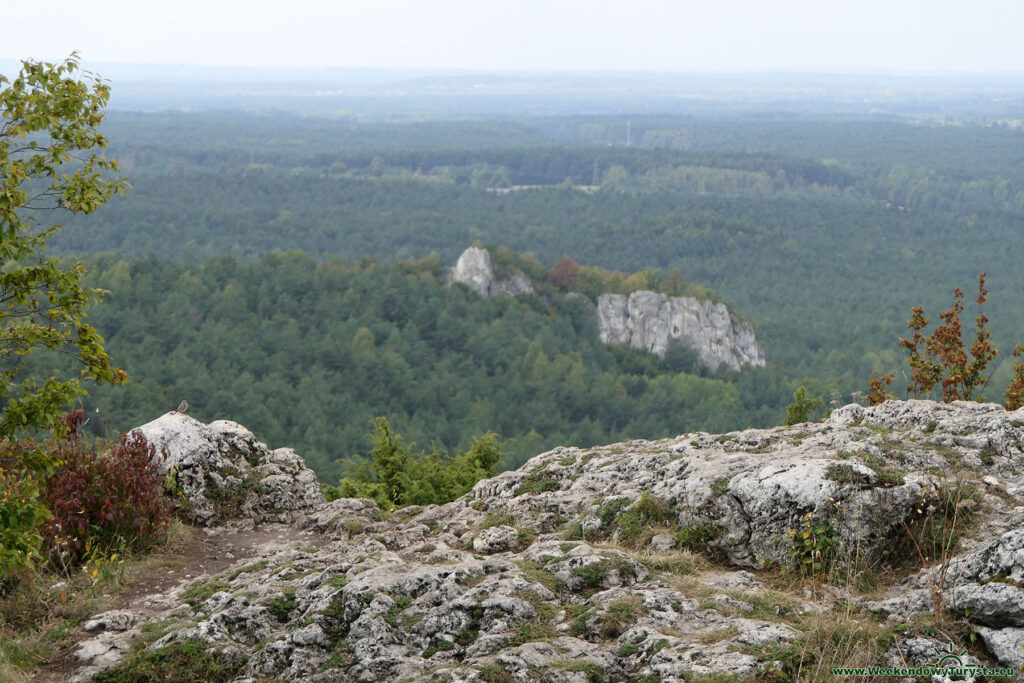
x: 49, y: 164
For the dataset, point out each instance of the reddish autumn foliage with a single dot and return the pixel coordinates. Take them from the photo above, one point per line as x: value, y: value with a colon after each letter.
x: 944, y: 357
x: 1014, y: 394
x: 564, y: 274
x: 104, y: 498
x: 876, y: 388
x: 941, y: 356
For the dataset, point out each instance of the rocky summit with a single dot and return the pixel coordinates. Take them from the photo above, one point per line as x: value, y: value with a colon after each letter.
x: 647, y: 320
x: 700, y: 557
x: 643, y: 320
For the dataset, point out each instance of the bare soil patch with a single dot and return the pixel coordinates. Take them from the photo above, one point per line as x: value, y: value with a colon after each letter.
x: 196, y: 552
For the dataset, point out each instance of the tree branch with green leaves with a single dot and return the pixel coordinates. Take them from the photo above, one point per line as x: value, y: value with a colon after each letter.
x: 50, y: 164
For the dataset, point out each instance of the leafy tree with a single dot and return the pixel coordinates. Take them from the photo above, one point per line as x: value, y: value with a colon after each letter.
x: 1014, y: 393
x: 564, y: 274
x: 49, y: 120
x: 49, y: 137
x: 877, y: 393
x: 945, y: 358
x: 801, y: 408
x: 941, y: 357
x: 394, y: 476
x: 681, y: 357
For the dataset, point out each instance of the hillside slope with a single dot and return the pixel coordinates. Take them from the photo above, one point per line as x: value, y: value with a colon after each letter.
x: 762, y: 553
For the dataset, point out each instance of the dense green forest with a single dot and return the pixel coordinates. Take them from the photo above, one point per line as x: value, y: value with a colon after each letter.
x: 826, y: 254
x: 307, y: 353
x: 823, y: 231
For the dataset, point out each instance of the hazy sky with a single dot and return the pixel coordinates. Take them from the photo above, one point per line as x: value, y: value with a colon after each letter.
x: 673, y: 35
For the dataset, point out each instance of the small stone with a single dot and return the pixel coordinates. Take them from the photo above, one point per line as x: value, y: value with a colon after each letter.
x: 662, y: 544
x: 114, y: 620
x: 496, y: 540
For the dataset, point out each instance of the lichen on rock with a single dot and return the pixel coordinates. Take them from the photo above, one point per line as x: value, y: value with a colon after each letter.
x: 575, y: 577
x: 223, y: 471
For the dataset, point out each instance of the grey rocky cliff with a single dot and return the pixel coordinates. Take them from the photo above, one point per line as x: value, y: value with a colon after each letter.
x: 644, y: 320
x: 539, y: 574
x: 647, y: 320
x: 475, y: 269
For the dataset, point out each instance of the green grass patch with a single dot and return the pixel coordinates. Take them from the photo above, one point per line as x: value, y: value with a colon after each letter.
x: 536, y: 573
x: 255, y: 566
x: 887, y: 477
x: 636, y: 526
x: 495, y: 518
x: 493, y: 673
x: 196, y: 594
x: 584, y: 666
x: 531, y: 632
x: 438, y: 645
x: 184, y: 662
x: 341, y: 657
x: 619, y: 616
x: 545, y: 610
x: 710, y: 637
x: 282, y: 605
x: 338, y: 581
x: 697, y: 538
x: 680, y: 564
x: 402, y: 603
x: 538, y: 481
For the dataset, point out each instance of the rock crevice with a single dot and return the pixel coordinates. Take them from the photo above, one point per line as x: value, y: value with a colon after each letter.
x: 595, y: 576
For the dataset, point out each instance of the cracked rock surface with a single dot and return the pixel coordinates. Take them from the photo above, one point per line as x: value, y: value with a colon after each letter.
x: 648, y: 320
x: 223, y: 471
x: 580, y: 565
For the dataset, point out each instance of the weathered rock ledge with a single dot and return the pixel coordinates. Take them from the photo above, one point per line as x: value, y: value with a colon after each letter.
x: 570, y: 568
x: 223, y: 471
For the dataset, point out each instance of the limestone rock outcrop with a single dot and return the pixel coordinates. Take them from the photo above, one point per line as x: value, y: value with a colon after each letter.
x: 223, y: 471
x: 643, y: 320
x: 580, y: 565
x: 647, y: 320
x: 475, y: 269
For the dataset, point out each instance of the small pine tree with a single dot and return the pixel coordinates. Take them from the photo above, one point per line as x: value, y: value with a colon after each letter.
x: 800, y: 409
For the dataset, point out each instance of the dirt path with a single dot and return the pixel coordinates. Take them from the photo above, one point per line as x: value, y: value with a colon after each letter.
x: 203, y: 552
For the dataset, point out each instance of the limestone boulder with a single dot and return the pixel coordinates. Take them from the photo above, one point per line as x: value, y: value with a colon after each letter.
x: 223, y: 471
x: 475, y: 269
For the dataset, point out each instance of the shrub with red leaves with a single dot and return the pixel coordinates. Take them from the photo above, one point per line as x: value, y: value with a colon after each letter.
x: 103, y: 498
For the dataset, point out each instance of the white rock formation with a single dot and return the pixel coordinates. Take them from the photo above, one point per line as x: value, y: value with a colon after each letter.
x: 647, y: 320
x: 476, y: 270
x: 224, y: 471
x: 557, y: 593
x: 644, y: 320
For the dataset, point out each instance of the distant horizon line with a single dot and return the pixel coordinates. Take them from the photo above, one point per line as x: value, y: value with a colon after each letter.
x: 170, y: 68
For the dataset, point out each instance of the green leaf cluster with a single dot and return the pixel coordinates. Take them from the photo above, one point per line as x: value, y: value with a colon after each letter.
x: 801, y: 408
x: 395, y: 476
x: 49, y: 166
x: 49, y: 120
